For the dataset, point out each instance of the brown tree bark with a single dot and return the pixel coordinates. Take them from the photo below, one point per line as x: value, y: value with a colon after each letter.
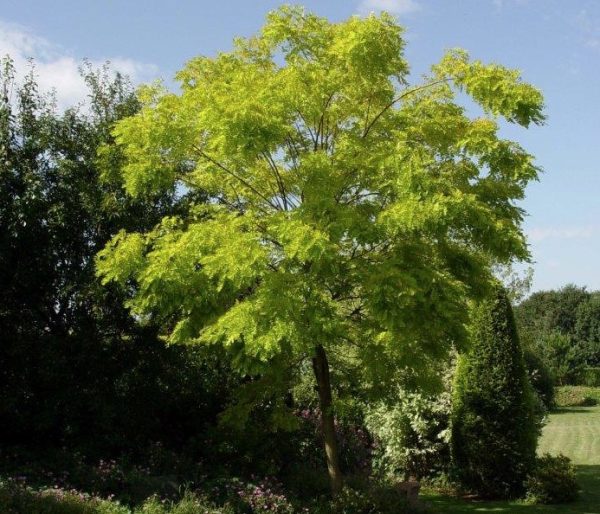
x: 321, y: 369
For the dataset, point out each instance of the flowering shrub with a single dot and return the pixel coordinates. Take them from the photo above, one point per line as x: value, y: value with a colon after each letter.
x: 108, y: 472
x: 367, y: 499
x: 189, y: 504
x: 107, y: 479
x: 412, y: 435
x: 264, y: 495
x: 18, y: 498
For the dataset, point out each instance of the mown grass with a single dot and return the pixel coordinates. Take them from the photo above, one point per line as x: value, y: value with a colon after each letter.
x: 574, y: 432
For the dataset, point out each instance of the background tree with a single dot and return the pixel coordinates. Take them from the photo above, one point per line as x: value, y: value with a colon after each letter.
x: 561, y: 328
x: 351, y: 214
x: 75, y: 368
x: 517, y: 284
x: 494, y: 432
x: 587, y: 329
x: 541, y: 377
x: 550, y: 311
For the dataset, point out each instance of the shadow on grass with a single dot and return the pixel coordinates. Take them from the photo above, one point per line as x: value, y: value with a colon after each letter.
x: 572, y: 410
x: 588, y: 478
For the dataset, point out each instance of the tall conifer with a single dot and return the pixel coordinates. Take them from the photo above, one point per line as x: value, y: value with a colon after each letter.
x: 494, y: 432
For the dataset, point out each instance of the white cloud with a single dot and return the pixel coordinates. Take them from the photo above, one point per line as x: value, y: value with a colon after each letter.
x: 398, y: 7
x: 499, y: 4
x: 541, y: 233
x: 56, y: 68
x: 589, y: 27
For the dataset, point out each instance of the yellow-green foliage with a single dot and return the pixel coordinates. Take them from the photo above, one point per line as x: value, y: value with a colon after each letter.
x: 347, y: 206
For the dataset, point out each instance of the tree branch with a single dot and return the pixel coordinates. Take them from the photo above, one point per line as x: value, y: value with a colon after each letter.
x: 320, y: 126
x: 398, y: 98
x: 236, y: 176
x: 278, y: 179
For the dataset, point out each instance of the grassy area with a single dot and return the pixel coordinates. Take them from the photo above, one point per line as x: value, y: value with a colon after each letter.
x: 575, y: 432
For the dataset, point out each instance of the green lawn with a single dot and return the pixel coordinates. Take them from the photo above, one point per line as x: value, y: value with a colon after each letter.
x: 575, y: 432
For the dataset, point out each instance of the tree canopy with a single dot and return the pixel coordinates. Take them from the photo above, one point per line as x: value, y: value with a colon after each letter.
x: 75, y: 368
x: 562, y: 327
x: 352, y: 213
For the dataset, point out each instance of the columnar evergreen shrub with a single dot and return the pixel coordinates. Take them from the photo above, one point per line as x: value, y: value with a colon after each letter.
x: 494, y: 430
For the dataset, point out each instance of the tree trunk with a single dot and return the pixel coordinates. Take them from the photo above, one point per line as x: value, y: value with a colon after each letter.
x: 321, y: 369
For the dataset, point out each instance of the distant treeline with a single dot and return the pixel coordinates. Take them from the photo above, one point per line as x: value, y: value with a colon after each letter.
x: 562, y: 328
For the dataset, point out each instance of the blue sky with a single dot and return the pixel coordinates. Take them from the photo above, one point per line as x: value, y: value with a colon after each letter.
x: 555, y: 43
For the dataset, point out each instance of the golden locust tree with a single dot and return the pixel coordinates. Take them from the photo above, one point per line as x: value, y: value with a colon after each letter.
x: 350, y: 211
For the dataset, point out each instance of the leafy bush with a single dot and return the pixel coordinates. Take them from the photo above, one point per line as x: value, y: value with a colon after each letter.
x: 577, y: 396
x: 189, y: 504
x: 17, y: 498
x: 552, y: 480
x: 494, y: 427
x: 387, y: 498
x: 367, y: 499
x: 413, y: 435
x: 351, y: 501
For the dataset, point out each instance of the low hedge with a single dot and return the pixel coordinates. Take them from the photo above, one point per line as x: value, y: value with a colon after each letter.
x: 577, y: 396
